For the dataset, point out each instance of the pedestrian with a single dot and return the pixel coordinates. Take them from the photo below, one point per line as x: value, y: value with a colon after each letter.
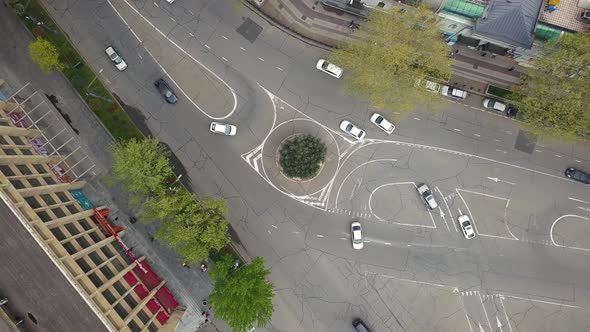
x: 511, y: 69
x: 205, y: 303
x: 483, y: 54
x: 351, y: 25
x: 184, y: 264
x: 203, y: 267
x: 116, y: 218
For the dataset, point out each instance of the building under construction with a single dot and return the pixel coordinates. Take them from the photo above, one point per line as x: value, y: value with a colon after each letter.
x: 64, y: 266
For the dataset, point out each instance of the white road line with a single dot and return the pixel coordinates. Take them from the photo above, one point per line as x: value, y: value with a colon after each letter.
x: 477, y: 135
x: 207, y: 46
x: 224, y: 37
x: 505, y: 313
x: 350, y: 173
x: 191, y: 34
x: 545, y: 302
x: 496, y: 140
x: 190, y: 11
x: 318, y: 235
x: 578, y: 161
x: 448, y: 209
x: 538, y: 151
x: 455, y: 129
x: 465, y: 312
x: 243, y: 49
x: 279, y: 68
x: 485, y: 311
x: 273, y: 226
x: 258, y: 157
x: 155, y: 4
x: 173, y: 20
x: 223, y: 58
x: 343, y: 238
x: 122, y: 19
x: 261, y: 59
x: 558, y: 156
x: 498, y: 150
x: 417, y: 119
x: 578, y: 200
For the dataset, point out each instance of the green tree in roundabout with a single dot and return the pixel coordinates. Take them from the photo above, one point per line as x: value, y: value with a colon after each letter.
x: 302, y: 156
x: 242, y: 297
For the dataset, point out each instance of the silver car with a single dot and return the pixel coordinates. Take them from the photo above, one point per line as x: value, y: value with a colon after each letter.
x: 116, y: 58
x: 427, y: 196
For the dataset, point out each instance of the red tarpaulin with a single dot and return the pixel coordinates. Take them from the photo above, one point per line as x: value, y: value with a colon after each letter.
x: 149, y: 279
x: 141, y: 291
x: 162, y: 317
x: 166, y: 299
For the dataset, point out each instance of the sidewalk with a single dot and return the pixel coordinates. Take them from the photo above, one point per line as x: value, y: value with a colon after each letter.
x: 312, y: 20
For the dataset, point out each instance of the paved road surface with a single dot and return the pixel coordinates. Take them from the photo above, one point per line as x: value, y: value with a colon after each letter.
x: 526, y: 268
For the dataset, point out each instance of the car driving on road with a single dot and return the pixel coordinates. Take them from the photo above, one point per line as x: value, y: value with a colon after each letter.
x: 329, y: 68
x: 116, y: 58
x: 494, y: 105
x: 223, y: 128
x: 382, y: 123
x: 357, y: 237
x: 352, y: 130
x: 165, y: 91
x: 453, y: 92
x: 578, y: 175
x: 427, y: 196
x: 466, y: 226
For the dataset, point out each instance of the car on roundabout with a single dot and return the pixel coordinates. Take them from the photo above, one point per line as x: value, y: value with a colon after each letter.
x: 466, y: 226
x: 223, y: 129
x: 382, y: 123
x: 329, y: 68
x: 352, y: 130
x: 427, y: 196
x: 357, y: 236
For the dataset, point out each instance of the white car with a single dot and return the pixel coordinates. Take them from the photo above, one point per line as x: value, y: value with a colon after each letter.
x: 466, y: 226
x: 427, y: 196
x: 352, y: 130
x: 223, y: 128
x: 329, y: 68
x: 170, y: 1
x: 116, y: 59
x: 382, y: 123
x: 428, y: 85
x: 357, y: 237
x: 494, y: 105
x: 453, y: 92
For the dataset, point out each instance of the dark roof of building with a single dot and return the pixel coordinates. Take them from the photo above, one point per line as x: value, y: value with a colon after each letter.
x: 33, y: 284
x: 510, y: 21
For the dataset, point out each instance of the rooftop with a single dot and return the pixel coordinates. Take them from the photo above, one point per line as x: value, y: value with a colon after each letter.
x: 567, y: 15
x: 33, y: 284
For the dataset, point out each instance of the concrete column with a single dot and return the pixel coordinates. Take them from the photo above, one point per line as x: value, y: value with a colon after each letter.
x: 28, y: 159
x: 69, y: 218
x: 28, y: 192
x: 117, y: 277
x: 93, y: 247
x: 18, y: 131
x: 143, y: 303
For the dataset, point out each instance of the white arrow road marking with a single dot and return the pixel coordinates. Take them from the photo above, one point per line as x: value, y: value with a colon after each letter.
x: 442, y: 214
x: 498, y: 180
x: 480, y: 327
x: 499, y: 323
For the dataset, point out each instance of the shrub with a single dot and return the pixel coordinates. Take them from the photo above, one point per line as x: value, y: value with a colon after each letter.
x: 302, y: 156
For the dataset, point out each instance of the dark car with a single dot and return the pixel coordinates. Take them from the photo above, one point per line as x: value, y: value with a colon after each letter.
x: 511, y: 111
x: 165, y: 91
x: 360, y: 326
x: 578, y: 175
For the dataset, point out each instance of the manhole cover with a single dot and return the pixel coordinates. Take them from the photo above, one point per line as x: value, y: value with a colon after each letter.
x: 249, y: 30
x: 525, y: 141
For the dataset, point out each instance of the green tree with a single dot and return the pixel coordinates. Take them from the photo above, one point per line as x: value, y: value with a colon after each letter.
x: 554, y: 95
x: 241, y: 297
x: 44, y: 54
x: 140, y: 166
x: 192, y: 228
x: 393, y: 50
x: 302, y: 156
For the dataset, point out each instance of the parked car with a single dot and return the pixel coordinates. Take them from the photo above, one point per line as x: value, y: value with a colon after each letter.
x: 428, y: 85
x: 427, y: 196
x: 329, y: 68
x: 360, y: 326
x: 165, y: 91
x: 512, y: 111
x: 352, y: 130
x: 466, y: 226
x: 382, y: 123
x: 170, y: 1
x: 494, y: 105
x: 116, y: 58
x: 453, y: 92
x: 357, y: 236
x: 223, y: 128
x: 578, y: 175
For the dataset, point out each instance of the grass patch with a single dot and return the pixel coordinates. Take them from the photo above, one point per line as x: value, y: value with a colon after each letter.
x: 82, y: 78
x: 498, y: 92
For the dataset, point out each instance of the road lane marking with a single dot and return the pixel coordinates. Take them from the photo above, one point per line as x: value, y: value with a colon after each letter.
x: 223, y: 58
x: 279, y: 68
x: 578, y: 161
x: 191, y: 34
x: 558, y: 156
x: 538, y: 151
x: 261, y: 59
x: 477, y: 135
x: 173, y: 20
x: 417, y: 119
x: 319, y: 235
x: 155, y: 4
x: 224, y: 37
x: 243, y: 49
x: 455, y: 129
x: 207, y: 47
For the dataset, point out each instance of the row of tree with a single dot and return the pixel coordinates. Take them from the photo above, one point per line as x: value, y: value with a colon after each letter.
x: 397, y: 47
x: 194, y: 228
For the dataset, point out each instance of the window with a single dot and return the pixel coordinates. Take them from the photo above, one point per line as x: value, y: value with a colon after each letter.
x: 17, y: 140
x: 40, y: 168
x: 47, y: 199
x: 34, y: 183
x: 9, y: 152
x: 44, y: 216
x: 24, y: 169
x: 17, y: 184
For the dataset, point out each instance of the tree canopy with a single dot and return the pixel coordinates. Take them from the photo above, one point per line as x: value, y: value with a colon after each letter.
x: 241, y: 297
x: 393, y: 50
x: 191, y: 227
x: 552, y: 98
x: 302, y: 156
x: 44, y: 54
x: 140, y: 166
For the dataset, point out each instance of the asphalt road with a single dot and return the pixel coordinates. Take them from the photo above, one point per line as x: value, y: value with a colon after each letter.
x: 524, y: 271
